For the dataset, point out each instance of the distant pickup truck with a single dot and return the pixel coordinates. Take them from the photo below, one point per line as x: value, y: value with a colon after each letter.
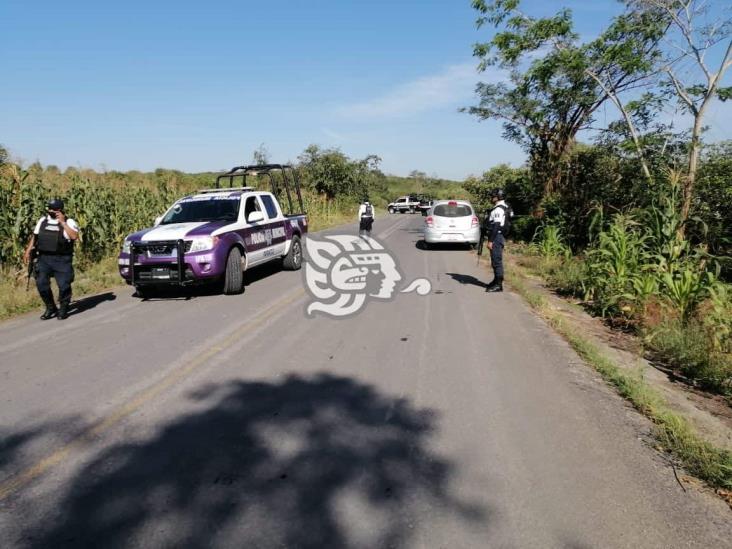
x: 404, y: 204
x: 216, y: 234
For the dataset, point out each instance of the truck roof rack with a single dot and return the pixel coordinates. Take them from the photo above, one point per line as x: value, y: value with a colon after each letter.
x: 225, y: 189
x: 287, y: 181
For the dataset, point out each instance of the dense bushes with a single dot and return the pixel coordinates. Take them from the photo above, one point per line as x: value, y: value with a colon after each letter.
x: 639, y: 269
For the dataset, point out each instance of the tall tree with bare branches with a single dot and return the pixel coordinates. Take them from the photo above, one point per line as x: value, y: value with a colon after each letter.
x: 697, y: 53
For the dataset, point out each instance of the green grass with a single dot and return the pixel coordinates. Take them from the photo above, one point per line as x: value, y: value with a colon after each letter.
x: 686, y: 347
x: 673, y: 432
x: 15, y: 300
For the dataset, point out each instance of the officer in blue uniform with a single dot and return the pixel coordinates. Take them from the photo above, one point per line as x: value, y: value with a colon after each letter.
x: 497, y: 224
x: 53, y: 238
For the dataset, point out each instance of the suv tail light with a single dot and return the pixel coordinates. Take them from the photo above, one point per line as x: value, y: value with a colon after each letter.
x: 475, y: 221
x: 430, y: 222
x: 452, y: 203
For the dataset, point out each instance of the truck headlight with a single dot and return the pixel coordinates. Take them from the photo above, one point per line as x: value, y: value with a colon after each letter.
x: 202, y: 243
x: 126, y: 246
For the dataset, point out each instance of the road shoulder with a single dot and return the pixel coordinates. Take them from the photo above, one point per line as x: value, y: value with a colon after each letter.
x: 702, y: 422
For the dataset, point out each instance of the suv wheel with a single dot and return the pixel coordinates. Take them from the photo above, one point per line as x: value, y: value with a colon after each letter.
x: 391, y: 210
x: 293, y: 259
x: 233, y: 278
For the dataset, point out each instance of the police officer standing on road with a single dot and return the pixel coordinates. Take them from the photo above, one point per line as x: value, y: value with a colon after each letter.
x: 497, y: 227
x: 365, y: 218
x: 53, y: 239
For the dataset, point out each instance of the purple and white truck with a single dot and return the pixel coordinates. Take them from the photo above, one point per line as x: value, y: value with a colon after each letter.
x: 216, y: 234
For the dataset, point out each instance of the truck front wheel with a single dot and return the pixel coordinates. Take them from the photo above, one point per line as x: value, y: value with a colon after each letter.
x: 293, y: 259
x: 233, y: 278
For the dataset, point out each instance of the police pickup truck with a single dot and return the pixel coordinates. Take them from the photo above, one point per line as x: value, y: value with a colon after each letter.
x: 216, y: 234
x: 404, y: 204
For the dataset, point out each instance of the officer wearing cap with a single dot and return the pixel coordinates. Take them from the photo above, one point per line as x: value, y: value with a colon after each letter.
x: 497, y: 224
x: 53, y: 238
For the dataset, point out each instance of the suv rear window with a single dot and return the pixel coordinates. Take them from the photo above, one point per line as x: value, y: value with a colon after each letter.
x: 447, y: 210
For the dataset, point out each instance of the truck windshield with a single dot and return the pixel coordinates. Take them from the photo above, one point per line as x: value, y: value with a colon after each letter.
x: 206, y: 209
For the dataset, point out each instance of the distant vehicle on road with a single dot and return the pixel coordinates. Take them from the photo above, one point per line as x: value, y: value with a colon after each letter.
x: 451, y: 221
x: 216, y: 234
x: 404, y: 204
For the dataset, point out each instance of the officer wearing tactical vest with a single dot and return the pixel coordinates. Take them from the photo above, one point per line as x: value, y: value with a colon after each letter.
x: 365, y: 218
x: 53, y: 239
x: 499, y: 221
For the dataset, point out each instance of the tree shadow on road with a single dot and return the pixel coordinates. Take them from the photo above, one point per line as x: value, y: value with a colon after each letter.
x: 321, y: 461
x: 15, y: 442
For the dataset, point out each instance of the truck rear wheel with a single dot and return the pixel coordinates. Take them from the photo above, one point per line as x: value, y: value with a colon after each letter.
x: 293, y: 259
x: 233, y: 278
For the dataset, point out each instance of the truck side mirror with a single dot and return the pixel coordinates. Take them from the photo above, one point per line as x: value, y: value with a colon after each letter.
x: 158, y: 219
x: 255, y: 217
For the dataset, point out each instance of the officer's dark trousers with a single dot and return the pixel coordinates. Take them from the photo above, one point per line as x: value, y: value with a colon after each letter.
x: 366, y: 224
x: 497, y: 256
x: 59, y: 267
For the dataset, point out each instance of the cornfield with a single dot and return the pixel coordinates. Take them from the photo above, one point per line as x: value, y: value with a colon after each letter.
x: 106, y: 207
x: 109, y: 206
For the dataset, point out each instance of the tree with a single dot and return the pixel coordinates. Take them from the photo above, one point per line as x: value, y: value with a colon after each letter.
x: 332, y: 173
x: 260, y: 156
x: 555, y: 84
x: 417, y: 174
x: 695, y: 30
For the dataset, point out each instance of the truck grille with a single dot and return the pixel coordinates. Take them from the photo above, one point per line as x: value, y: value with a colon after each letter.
x: 166, y: 249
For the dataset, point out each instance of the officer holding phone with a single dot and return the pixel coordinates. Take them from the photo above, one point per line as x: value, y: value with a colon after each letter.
x: 53, y: 239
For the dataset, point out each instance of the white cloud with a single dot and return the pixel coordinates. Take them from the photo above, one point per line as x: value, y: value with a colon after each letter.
x: 454, y: 84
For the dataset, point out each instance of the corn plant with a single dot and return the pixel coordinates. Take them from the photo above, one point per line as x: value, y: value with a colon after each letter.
x: 614, y: 264
x: 686, y: 289
x: 548, y: 241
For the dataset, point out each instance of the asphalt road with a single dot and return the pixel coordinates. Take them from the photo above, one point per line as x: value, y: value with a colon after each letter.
x: 455, y: 419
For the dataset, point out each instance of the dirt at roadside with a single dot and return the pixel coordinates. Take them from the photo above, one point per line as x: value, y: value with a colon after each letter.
x: 710, y: 414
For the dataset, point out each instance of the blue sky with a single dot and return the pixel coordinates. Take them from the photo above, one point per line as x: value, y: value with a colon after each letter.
x: 199, y: 86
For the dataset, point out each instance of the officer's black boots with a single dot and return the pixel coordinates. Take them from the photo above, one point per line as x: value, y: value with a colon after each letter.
x: 50, y: 312
x: 63, y: 311
x: 496, y: 285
